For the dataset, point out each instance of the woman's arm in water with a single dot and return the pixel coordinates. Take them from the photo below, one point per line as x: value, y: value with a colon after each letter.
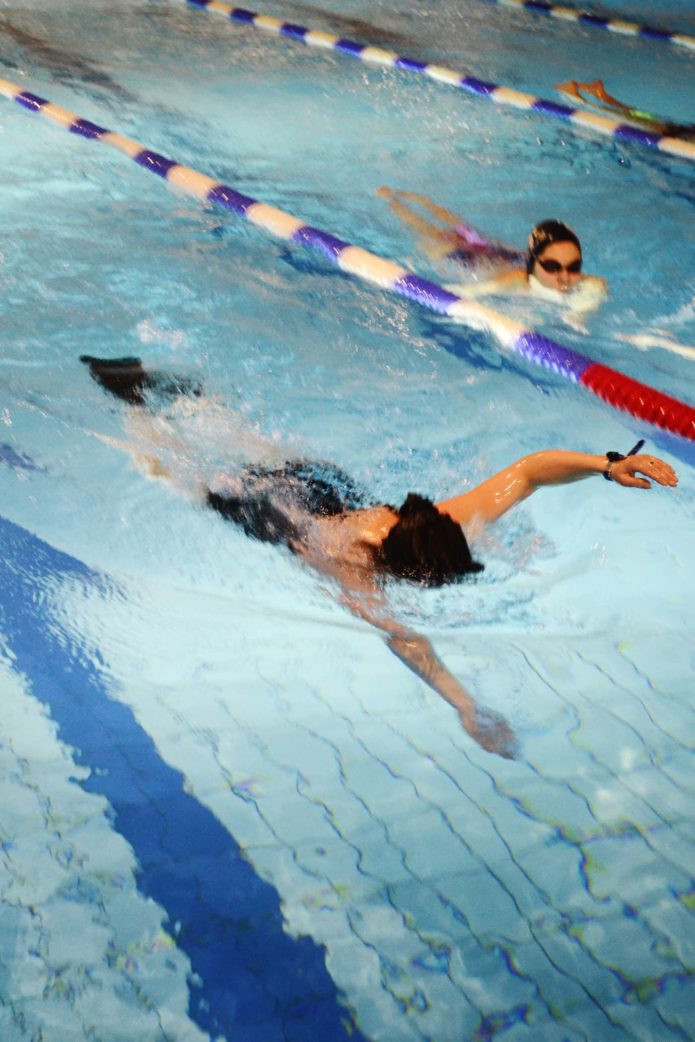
x: 489, y: 729
x: 494, y: 497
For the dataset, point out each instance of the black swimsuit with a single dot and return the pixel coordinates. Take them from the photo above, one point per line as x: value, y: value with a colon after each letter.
x: 270, y: 495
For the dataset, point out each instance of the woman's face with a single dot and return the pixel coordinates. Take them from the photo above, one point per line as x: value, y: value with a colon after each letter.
x: 559, y: 266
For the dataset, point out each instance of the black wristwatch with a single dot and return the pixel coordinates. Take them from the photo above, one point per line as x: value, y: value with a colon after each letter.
x: 614, y: 457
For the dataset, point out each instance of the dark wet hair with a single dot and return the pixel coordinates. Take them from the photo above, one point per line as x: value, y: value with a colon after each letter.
x: 425, y: 546
x: 544, y: 235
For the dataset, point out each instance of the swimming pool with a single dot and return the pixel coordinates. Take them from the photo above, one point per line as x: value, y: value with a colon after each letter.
x: 228, y: 810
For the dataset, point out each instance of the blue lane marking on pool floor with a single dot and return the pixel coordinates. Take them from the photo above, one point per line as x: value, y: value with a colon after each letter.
x: 257, y: 983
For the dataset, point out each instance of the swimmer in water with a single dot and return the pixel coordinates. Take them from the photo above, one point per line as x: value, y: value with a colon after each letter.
x: 451, y: 237
x: 600, y: 100
x: 550, y: 269
x: 553, y: 272
x: 316, y: 511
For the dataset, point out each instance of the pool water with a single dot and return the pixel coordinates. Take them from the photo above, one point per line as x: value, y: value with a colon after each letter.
x: 229, y: 811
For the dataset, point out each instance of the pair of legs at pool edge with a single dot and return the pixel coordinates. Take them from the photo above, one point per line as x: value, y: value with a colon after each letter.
x: 315, y: 511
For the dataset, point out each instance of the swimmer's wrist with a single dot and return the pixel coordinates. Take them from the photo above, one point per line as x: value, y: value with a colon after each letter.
x: 611, y: 458
x: 616, y: 457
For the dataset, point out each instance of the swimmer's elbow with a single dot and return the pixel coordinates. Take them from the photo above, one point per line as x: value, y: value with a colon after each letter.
x: 537, y: 470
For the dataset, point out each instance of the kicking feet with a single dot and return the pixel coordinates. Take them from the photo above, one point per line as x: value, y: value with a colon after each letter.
x: 126, y: 379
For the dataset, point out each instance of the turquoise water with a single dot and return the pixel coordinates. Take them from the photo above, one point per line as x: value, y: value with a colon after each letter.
x: 229, y: 811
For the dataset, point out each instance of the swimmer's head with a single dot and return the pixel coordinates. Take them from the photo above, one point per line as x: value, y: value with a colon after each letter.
x: 554, y: 256
x: 425, y: 546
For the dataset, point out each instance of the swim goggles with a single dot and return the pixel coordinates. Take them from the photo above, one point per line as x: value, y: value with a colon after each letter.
x: 553, y: 266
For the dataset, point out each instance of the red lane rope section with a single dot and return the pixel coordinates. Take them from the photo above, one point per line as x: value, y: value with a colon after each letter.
x: 641, y: 401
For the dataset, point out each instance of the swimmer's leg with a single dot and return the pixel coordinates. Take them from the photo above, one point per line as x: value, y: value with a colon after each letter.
x: 126, y: 379
x: 601, y: 99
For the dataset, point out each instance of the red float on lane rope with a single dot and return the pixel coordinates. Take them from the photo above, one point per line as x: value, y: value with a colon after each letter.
x: 641, y: 401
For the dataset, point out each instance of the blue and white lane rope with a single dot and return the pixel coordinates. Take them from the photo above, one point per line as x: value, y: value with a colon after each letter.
x: 613, y: 128
x: 597, y: 21
x: 610, y: 385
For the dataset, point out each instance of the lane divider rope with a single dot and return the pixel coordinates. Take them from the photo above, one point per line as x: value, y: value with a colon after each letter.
x: 621, y: 391
x: 597, y: 21
x: 501, y: 95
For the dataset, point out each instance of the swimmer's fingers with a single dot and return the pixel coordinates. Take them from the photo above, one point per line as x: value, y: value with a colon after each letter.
x: 625, y: 472
x: 384, y: 192
x: 491, y: 731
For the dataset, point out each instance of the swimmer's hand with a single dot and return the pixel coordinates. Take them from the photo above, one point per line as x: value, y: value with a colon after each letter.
x: 384, y: 192
x: 625, y: 472
x: 490, y: 730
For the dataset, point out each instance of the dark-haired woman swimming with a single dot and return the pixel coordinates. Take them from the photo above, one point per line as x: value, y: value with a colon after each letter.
x: 550, y: 269
x: 317, y: 512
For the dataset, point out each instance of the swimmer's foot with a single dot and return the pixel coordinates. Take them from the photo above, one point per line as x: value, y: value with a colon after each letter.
x: 126, y: 379
x: 123, y: 377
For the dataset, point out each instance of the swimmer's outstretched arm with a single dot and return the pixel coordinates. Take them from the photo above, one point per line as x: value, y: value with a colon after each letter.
x: 490, y: 730
x: 494, y: 497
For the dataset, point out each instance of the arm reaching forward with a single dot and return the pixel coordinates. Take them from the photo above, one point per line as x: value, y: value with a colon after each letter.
x: 494, y: 497
x: 489, y: 729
